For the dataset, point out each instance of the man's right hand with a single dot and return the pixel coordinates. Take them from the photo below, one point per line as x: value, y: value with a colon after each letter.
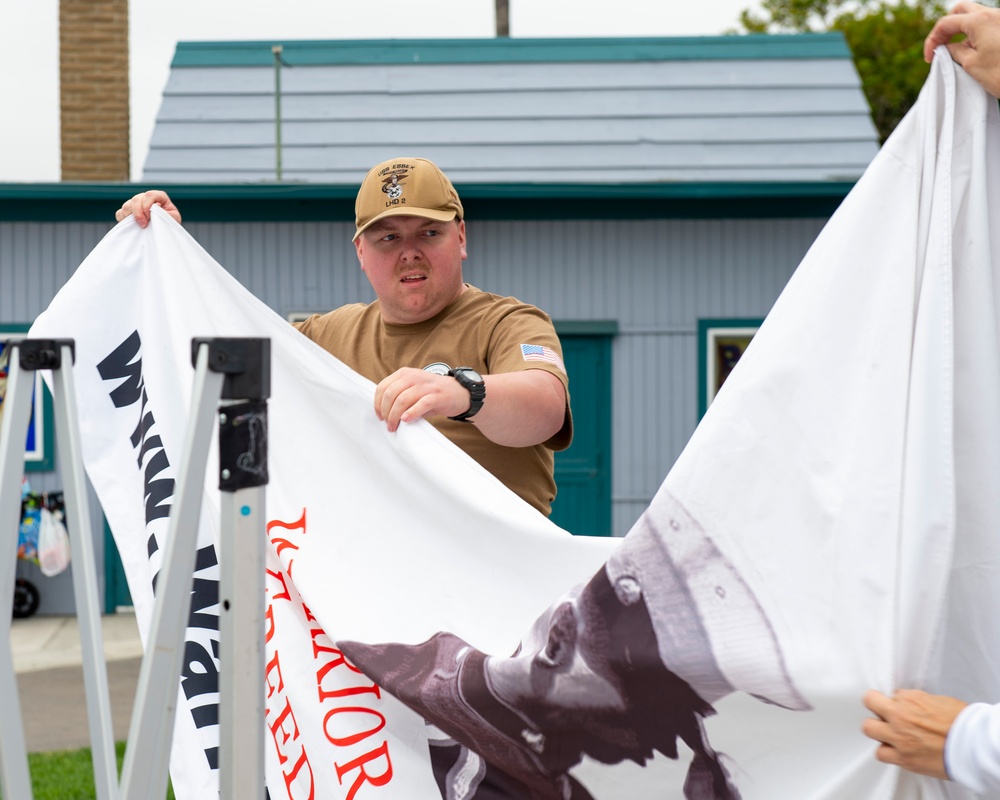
x: 140, y: 205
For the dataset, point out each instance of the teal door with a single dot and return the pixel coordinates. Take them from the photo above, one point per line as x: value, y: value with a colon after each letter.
x: 583, y: 471
x: 116, y: 591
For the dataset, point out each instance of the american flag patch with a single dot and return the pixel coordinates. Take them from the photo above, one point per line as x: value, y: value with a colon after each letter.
x: 535, y: 352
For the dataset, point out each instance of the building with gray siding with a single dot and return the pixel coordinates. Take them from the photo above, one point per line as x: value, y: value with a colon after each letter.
x: 631, y: 188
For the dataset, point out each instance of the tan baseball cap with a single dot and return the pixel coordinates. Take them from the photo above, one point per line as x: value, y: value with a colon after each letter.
x: 405, y: 186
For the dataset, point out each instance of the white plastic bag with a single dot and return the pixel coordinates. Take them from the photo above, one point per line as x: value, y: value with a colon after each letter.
x: 53, y: 544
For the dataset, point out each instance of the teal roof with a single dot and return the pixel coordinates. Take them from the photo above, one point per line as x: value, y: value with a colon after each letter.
x: 467, y: 51
x: 97, y: 202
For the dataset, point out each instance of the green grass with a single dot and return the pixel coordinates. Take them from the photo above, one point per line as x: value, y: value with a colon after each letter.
x: 68, y: 774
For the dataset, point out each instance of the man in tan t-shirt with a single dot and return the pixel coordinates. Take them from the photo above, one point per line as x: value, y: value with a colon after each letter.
x: 485, y: 370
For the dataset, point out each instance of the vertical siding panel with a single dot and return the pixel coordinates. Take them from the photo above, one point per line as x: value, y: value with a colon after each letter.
x: 8, y: 256
x: 36, y: 259
x: 19, y: 276
x: 43, y: 246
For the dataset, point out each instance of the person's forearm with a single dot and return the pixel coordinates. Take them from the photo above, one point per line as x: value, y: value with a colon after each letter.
x: 522, y: 408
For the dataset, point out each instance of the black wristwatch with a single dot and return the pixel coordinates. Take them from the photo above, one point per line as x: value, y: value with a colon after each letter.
x: 473, y: 381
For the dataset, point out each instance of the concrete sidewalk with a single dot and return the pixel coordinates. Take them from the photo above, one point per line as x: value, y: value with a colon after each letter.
x: 44, y: 642
x: 47, y: 663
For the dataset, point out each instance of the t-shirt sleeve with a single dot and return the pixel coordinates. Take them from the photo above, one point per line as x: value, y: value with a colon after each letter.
x: 972, y: 749
x: 526, y: 339
x: 306, y: 325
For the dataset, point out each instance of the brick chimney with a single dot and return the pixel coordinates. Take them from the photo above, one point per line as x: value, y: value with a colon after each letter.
x: 93, y: 93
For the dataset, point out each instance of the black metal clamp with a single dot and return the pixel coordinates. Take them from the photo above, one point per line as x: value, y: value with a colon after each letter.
x: 246, y: 365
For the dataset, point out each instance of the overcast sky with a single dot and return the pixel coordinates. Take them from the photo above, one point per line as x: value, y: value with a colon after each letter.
x: 29, y: 57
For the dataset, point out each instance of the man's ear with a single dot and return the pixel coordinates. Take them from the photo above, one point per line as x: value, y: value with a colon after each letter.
x: 561, y: 644
x: 358, y: 250
x: 462, y: 239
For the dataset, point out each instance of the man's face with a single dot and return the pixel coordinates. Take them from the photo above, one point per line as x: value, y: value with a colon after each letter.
x: 414, y: 265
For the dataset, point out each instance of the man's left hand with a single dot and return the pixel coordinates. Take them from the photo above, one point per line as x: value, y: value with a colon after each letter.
x: 409, y: 394
x: 911, y: 727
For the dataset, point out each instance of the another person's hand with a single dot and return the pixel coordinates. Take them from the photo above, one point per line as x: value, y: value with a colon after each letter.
x: 140, y: 205
x: 912, y: 727
x: 410, y: 394
x: 979, y: 52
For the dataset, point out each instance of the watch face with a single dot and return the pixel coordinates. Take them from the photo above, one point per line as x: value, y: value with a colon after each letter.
x: 438, y: 368
x: 470, y: 374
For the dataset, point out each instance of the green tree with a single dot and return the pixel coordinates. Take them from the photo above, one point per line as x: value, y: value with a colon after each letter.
x: 886, y: 38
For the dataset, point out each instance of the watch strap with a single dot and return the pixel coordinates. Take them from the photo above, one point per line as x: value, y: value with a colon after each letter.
x: 476, y: 389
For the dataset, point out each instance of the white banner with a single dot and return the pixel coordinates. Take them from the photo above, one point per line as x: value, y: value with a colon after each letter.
x: 829, y: 528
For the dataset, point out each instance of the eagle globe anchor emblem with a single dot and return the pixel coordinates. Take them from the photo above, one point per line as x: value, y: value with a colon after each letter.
x: 391, y: 184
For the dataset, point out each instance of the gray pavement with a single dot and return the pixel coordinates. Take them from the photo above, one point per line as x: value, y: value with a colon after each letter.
x: 47, y: 662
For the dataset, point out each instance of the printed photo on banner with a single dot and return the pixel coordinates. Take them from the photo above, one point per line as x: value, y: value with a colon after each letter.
x: 38, y: 445
x: 619, y: 670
